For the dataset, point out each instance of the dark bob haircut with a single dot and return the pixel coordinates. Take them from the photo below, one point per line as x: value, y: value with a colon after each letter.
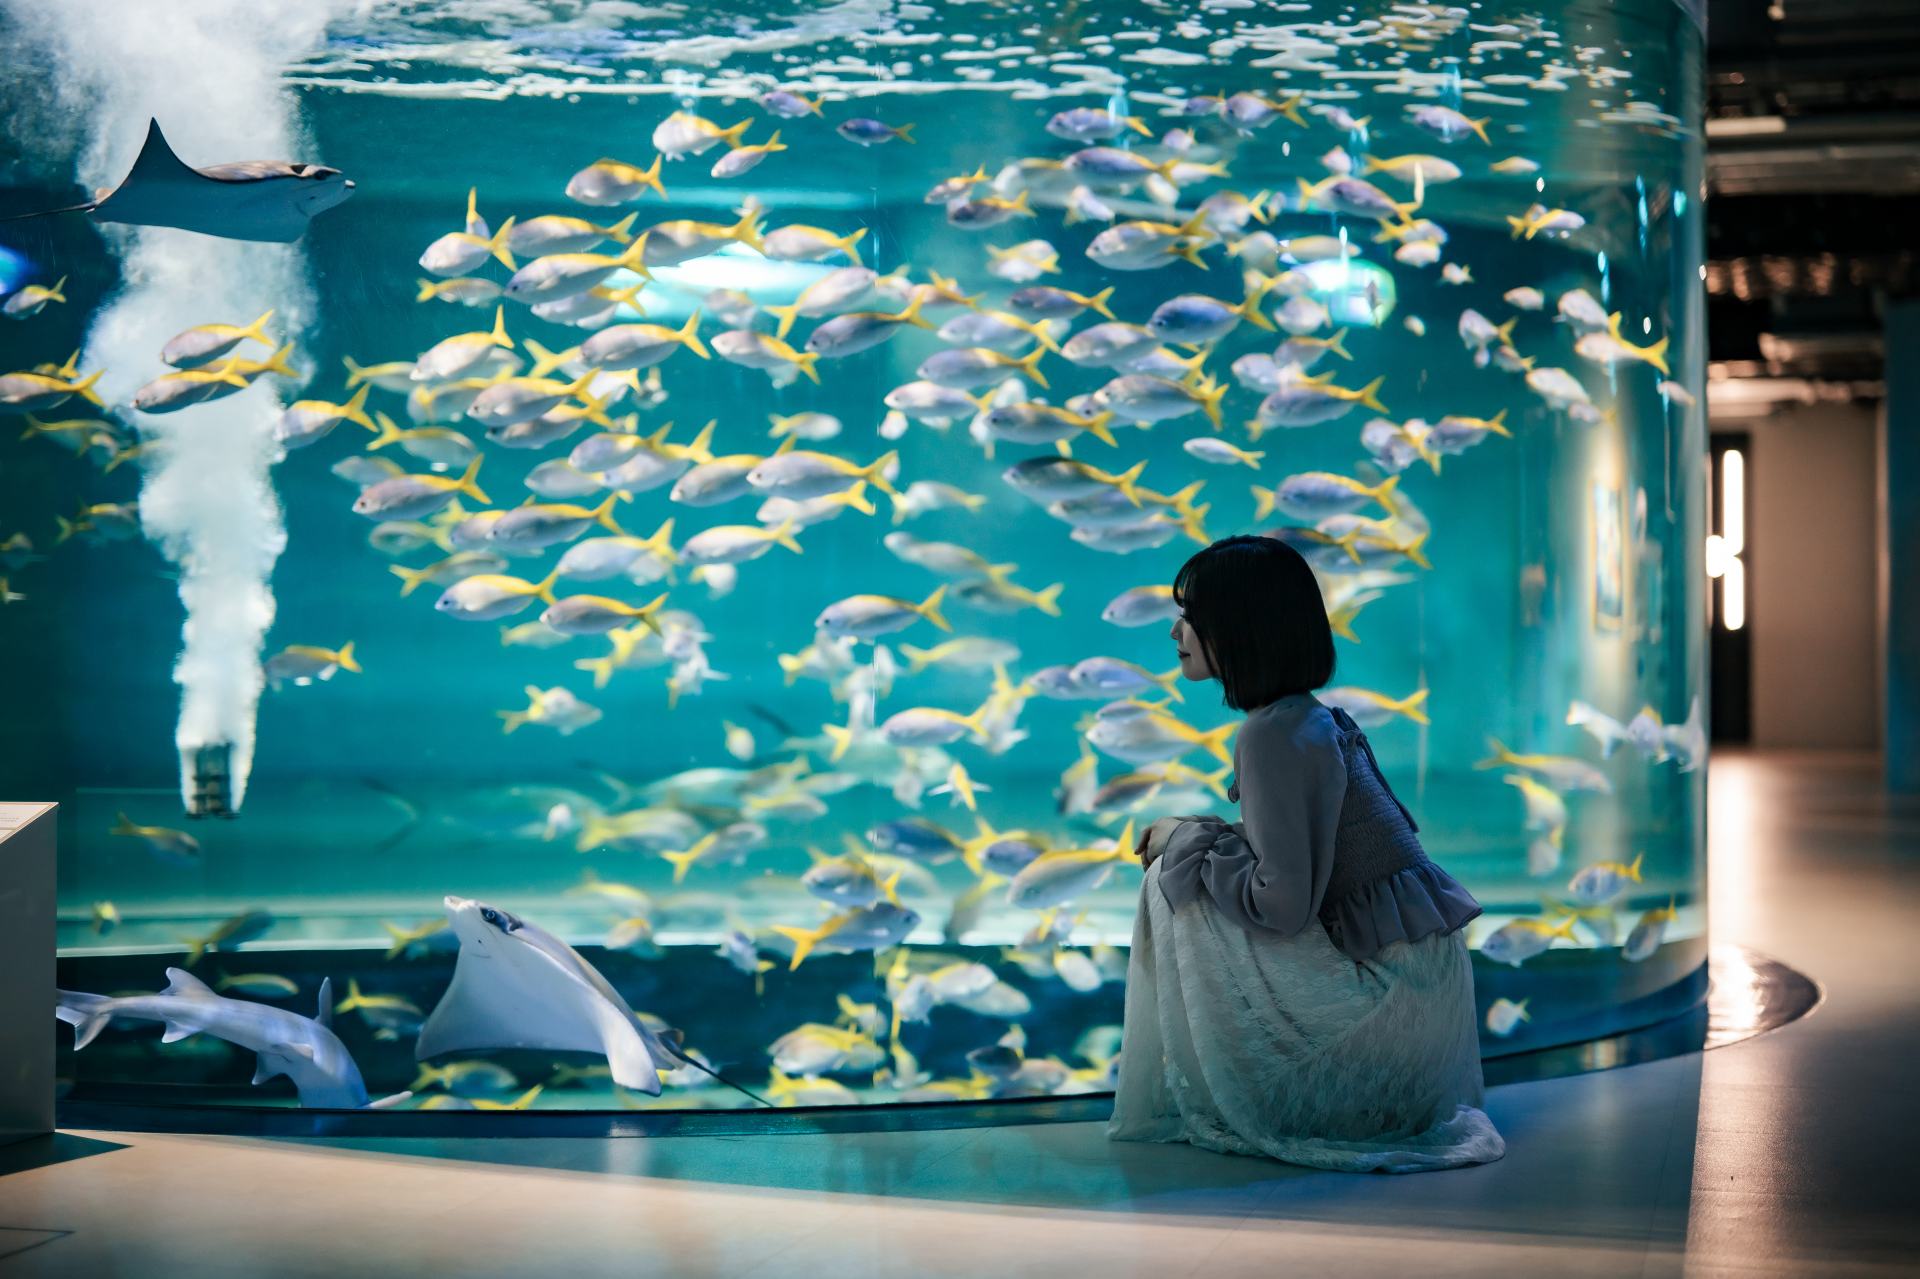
x: 1255, y: 605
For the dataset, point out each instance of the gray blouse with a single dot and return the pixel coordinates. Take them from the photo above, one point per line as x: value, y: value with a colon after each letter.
x: 1322, y: 836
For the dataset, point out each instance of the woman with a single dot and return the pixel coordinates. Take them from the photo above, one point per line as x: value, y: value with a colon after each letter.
x: 1299, y: 985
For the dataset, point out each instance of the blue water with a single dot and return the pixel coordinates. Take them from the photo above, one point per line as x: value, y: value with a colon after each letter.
x: 374, y: 794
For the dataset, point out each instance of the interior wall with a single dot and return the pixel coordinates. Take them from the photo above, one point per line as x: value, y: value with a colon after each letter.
x: 1812, y: 568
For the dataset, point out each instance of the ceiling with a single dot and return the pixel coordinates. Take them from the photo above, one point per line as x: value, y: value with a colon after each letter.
x: 1813, y: 173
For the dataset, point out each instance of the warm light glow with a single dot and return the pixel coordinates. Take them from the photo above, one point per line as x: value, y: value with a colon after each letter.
x: 1733, y: 596
x: 1733, y: 501
x: 1716, y: 555
x: 1746, y: 126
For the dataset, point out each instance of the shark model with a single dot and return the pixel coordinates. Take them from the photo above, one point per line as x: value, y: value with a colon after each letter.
x: 516, y: 985
x: 270, y: 200
x: 304, y: 1049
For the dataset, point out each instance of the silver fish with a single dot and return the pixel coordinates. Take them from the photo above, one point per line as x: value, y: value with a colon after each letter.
x: 304, y: 1049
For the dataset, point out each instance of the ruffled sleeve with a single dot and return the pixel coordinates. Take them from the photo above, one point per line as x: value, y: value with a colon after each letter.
x: 1405, y: 906
x: 1270, y: 870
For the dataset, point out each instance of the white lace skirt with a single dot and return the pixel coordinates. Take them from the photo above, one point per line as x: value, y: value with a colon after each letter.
x: 1253, y: 1044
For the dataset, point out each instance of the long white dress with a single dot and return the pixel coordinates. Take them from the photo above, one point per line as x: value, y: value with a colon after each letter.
x: 1373, y: 1066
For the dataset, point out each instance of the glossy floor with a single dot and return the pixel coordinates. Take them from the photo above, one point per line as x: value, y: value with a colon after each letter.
x: 1777, y: 1156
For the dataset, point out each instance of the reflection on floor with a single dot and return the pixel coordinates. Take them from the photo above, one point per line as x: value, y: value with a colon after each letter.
x: 1768, y: 1157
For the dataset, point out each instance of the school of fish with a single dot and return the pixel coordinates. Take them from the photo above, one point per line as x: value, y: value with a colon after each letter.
x: 612, y: 546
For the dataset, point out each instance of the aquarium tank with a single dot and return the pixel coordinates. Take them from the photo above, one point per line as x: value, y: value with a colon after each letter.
x: 685, y: 497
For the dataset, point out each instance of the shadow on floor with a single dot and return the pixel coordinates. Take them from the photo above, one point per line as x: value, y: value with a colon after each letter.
x: 15, y: 1240
x: 54, y: 1148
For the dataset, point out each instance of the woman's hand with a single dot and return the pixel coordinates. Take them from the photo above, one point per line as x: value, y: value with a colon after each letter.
x: 1153, y: 840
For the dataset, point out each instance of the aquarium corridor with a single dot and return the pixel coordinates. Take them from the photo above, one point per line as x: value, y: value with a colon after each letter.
x: 1766, y: 1157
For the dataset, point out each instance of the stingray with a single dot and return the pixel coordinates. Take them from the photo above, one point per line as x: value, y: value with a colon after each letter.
x: 516, y: 985
x: 245, y: 200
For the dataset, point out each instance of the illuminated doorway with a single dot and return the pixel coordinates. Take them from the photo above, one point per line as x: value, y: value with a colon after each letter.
x: 1730, y: 590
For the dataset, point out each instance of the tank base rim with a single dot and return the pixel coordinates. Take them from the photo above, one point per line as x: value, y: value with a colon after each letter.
x: 1748, y: 994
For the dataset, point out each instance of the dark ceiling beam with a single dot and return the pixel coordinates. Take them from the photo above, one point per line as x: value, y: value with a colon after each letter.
x: 1878, y: 154
x: 1813, y: 174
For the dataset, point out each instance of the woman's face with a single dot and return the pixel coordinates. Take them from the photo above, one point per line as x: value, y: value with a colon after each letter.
x: 1193, y: 654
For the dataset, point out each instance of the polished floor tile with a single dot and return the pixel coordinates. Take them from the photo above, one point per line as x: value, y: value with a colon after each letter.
x: 1776, y: 1156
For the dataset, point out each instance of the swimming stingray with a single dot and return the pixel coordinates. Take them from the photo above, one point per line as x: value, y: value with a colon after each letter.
x: 244, y: 200
x: 516, y: 985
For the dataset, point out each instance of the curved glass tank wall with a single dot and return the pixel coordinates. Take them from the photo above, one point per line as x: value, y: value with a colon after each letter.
x: 1472, y: 240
